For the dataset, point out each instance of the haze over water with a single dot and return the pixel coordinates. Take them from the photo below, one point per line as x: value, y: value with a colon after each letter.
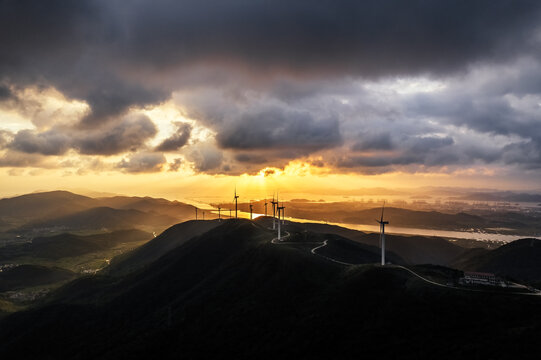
x: 470, y: 235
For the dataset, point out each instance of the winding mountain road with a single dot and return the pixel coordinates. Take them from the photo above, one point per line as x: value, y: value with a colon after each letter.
x: 428, y: 281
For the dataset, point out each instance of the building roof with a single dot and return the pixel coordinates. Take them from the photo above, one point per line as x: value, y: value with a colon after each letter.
x: 474, y: 273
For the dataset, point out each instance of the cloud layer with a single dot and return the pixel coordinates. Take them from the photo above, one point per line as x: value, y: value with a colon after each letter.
x: 362, y: 86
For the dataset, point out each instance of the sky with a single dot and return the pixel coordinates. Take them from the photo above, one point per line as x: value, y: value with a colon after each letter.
x: 178, y: 98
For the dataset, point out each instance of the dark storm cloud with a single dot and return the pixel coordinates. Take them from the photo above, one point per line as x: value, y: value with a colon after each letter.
x: 409, y: 131
x: 127, y: 135
x: 424, y: 144
x: 206, y: 158
x: 497, y: 106
x: 5, y: 93
x: 114, y: 96
x: 377, y: 161
x: 251, y: 158
x: 371, y: 37
x: 379, y: 141
x: 70, y: 45
x: 145, y: 162
x: 481, y: 113
x: 18, y: 159
x: 178, y: 139
x: 528, y: 154
x: 294, y: 68
x: 278, y: 128
x: 45, y: 143
x: 411, y: 151
x: 93, y: 50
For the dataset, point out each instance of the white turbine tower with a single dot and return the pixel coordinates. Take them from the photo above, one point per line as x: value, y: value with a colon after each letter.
x: 236, y: 197
x: 280, y: 209
x: 274, y: 203
x: 382, y: 234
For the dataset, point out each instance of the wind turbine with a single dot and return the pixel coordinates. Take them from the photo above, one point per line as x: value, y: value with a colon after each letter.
x: 236, y: 197
x: 219, y: 213
x: 266, y: 207
x: 382, y: 234
x: 280, y: 208
x: 195, y: 213
x: 274, y: 203
x: 283, y: 214
x: 251, y: 210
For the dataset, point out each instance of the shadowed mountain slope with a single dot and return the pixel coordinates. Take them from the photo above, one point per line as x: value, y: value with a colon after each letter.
x: 44, y: 205
x: 352, y: 252
x: 69, y: 245
x: 417, y: 249
x: 24, y: 276
x: 104, y: 217
x: 147, y: 204
x: 411, y: 249
x: 520, y: 260
x: 159, y: 246
x: 72, y: 211
x: 467, y: 259
x: 230, y: 292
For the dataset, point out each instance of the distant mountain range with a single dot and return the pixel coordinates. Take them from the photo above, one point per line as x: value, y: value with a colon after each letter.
x: 357, y: 213
x: 501, y: 196
x: 60, y: 211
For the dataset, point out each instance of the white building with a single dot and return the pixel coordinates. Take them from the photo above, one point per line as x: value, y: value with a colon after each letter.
x: 478, y: 278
